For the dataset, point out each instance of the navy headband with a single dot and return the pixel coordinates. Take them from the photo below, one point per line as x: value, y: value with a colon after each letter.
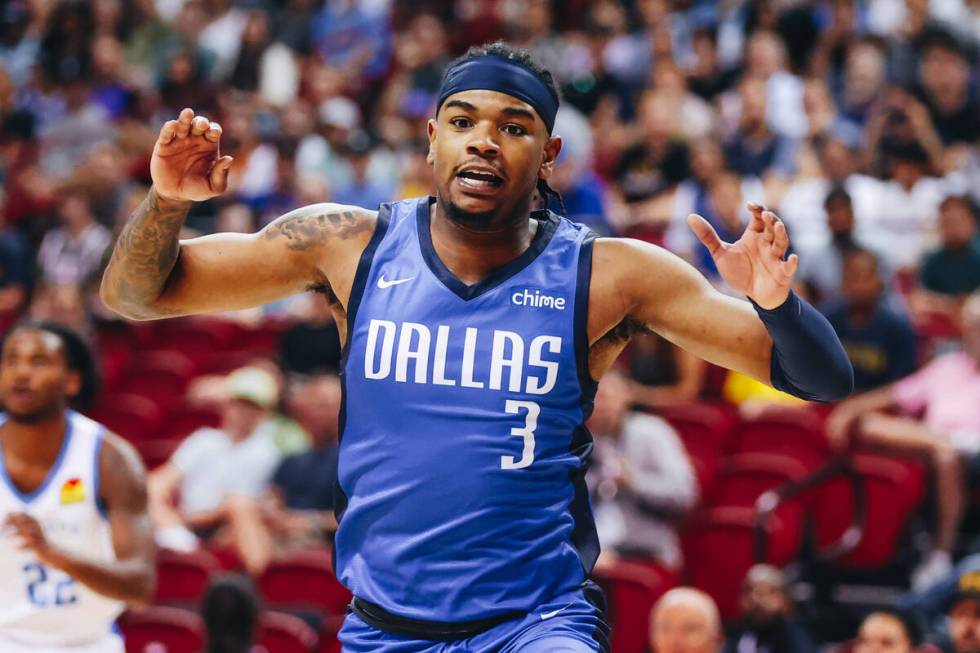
x: 494, y: 73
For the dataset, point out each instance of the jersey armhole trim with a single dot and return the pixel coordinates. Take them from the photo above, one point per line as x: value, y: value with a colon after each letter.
x: 364, y: 268
x: 583, y: 282
x: 356, y: 294
x: 100, y: 505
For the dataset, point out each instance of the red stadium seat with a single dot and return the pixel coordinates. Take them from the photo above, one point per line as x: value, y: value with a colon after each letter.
x: 182, y: 577
x: 704, y: 422
x: 226, y: 556
x: 131, y: 416
x: 262, y: 339
x: 719, y: 548
x: 230, y: 361
x: 218, y: 333
x: 116, y: 344
x: 156, y: 452
x: 116, y: 335
x: 704, y: 430
x: 304, y: 582
x: 162, y: 629
x: 794, y: 432
x: 162, y: 377
x: 631, y: 591
x: 746, y: 476
x: 328, y: 640
x: 894, y: 490
x: 284, y: 633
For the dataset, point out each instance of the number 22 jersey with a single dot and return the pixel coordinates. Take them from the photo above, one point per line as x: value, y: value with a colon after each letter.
x: 463, y: 447
x: 40, y: 605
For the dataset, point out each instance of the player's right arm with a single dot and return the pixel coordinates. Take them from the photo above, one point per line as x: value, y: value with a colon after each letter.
x: 152, y: 274
x: 131, y: 576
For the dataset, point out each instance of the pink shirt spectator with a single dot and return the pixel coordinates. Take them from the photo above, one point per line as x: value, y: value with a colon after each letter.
x: 948, y: 389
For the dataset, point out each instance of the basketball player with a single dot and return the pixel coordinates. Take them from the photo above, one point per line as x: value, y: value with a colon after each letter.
x: 76, y: 544
x: 474, y: 330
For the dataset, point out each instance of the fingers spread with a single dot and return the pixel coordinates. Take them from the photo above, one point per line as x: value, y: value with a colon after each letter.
x: 199, y: 125
x: 184, y: 121
x: 705, y: 233
x: 168, y: 131
x: 214, y: 132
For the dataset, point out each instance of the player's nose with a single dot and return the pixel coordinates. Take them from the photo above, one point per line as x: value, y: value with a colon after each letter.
x: 482, y: 142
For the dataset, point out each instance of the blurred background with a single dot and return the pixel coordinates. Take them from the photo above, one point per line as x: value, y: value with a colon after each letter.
x: 858, y: 122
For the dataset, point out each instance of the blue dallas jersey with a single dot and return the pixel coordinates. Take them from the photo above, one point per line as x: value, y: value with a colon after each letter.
x: 463, y: 449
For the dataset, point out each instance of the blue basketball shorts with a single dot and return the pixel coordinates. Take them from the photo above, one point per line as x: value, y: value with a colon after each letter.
x: 572, y: 622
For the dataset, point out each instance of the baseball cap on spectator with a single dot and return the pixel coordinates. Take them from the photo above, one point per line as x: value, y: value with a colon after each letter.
x: 340, y: 112
x: 253, y: 384
x: 967, y: 587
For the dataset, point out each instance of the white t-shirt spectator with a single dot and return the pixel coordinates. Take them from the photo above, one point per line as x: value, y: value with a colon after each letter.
x: 903, y: 224
x: 65, y: 260
x: 802, y: 209
x: 223, y: 37
x: 214, y: 467
x: 661, y: 481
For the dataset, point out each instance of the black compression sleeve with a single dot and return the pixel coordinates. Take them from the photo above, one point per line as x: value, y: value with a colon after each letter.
x: 808, y: 360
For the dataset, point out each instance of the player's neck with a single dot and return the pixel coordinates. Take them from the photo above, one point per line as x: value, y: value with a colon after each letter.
x: 36, y: 441
x: 472, y: 254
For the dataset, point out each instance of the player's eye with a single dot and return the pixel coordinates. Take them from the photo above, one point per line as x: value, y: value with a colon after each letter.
x: 514, y: 130
x: 461, y: 122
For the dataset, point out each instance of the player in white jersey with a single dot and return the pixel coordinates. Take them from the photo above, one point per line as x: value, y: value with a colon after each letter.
x: 76, y: 544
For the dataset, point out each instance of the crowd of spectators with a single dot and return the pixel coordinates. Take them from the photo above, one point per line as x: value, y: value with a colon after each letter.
x: 858, y: 122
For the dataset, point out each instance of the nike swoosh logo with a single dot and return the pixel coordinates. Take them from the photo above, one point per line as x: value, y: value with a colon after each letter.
x: 549, y: 615
x: 384, y: 283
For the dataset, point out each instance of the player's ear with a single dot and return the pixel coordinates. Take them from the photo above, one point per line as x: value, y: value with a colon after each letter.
x: 548, y: 158
x: 430, y: 129
x: 73, y: 384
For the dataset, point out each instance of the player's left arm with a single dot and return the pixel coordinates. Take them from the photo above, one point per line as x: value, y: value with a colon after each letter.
x: 781, y: 340
x: 131, y: 577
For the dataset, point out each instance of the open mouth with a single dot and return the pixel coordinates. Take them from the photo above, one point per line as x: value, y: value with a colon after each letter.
x: 21, y: 394
x: 479, y: 180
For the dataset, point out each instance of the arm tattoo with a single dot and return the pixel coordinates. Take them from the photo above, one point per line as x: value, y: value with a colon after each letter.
x: 311, y: 226
x: 146, y: 253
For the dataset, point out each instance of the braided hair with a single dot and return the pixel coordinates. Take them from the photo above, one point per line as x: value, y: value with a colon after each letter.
x: 523, y: 57
x: 547, y: 192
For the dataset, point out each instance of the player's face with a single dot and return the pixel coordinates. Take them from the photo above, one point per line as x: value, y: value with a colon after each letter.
x: 35, y: 381
x: 487, y: 151
x: 882, y: 633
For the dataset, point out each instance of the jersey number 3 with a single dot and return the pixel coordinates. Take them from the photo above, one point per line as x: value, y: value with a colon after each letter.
x: 527, y: 432
x: 44, y: 592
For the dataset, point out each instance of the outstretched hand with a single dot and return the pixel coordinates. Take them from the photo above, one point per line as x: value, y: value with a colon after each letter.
x: 752, y: 265
x: 187, y: 164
